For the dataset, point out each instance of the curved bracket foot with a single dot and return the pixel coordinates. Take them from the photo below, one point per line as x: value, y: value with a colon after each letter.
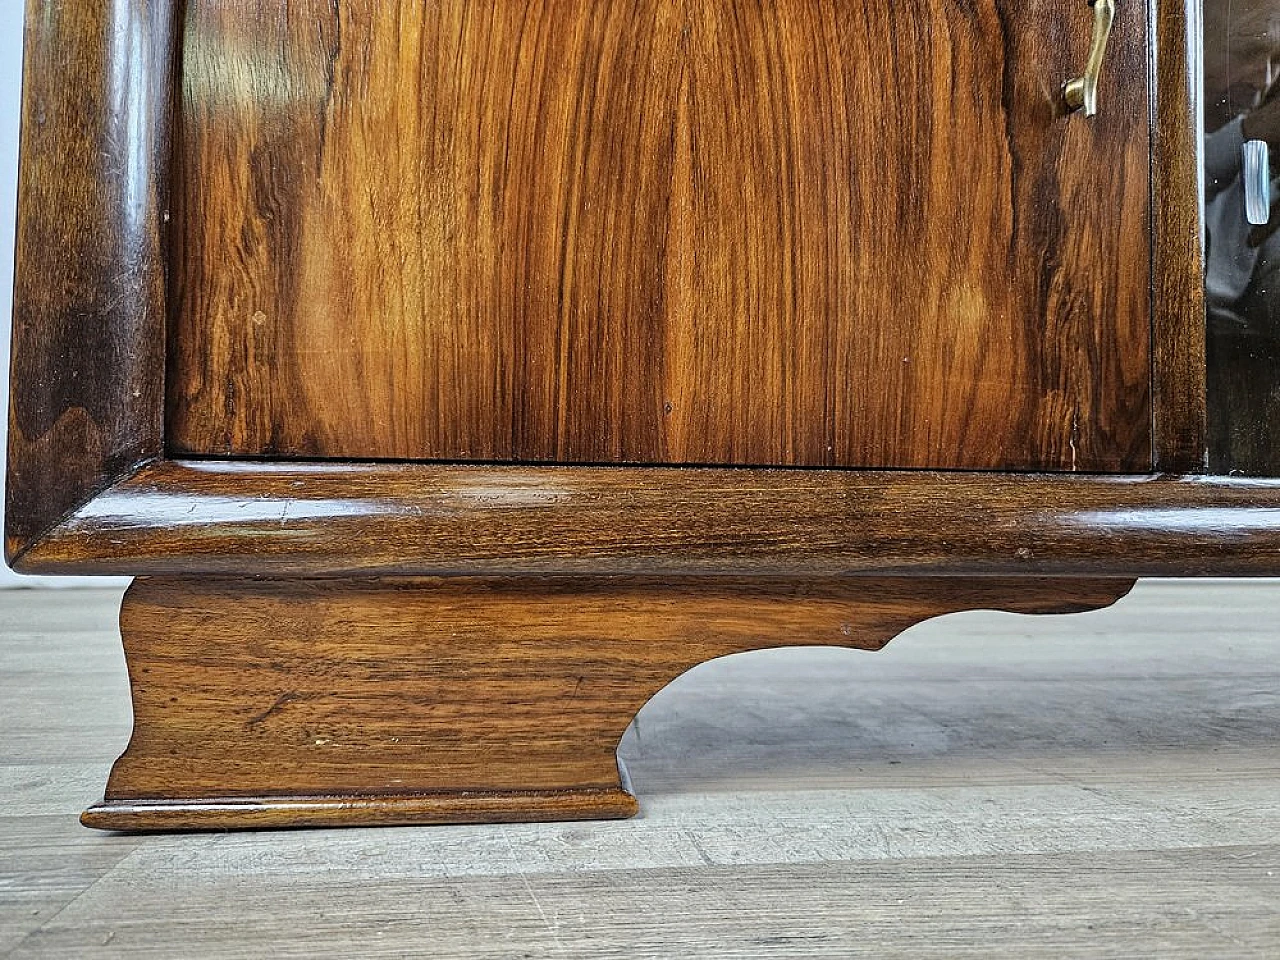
x: 261, y: 703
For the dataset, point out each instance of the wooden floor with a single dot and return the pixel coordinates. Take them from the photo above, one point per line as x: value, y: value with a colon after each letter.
x: 991, y: 785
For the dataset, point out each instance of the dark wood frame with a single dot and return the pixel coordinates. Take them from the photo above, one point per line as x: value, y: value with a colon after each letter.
x: 91, y: 490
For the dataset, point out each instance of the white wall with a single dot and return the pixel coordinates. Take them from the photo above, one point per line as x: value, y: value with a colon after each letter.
x: 10, y: 88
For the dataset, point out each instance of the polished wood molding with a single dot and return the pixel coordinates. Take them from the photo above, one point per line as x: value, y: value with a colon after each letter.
x: 236, y: 518
x: 87, y: 381
x: 389, y: 810
x: 268, y: 703
x: 1180, y: 431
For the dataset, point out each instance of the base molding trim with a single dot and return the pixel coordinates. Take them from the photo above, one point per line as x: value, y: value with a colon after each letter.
x: 354, y: 811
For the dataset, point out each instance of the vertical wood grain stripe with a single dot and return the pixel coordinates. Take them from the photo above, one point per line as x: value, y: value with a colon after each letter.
x: 1178, y: 310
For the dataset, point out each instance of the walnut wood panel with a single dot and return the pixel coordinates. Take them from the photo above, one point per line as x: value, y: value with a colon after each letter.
x: 238, y: 518
x: 279, y: 703
x: 787, y: 232
x: 88, y: 319
x: 1177, y: 309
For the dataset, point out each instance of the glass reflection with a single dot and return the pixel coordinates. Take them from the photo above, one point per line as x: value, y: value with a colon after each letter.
x: 1242, y: 282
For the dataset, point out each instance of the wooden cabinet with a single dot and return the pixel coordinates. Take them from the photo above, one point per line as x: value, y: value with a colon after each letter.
x: 457, y: 374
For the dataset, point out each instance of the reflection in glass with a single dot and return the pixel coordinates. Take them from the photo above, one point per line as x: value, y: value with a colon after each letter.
x: 1242, y: 282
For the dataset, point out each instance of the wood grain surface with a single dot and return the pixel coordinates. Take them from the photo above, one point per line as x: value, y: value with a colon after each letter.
x: 253, y: 519
x: 89, y: 284
x: 303, y: 703
x: 1180, y: 431
x: 796, y: 232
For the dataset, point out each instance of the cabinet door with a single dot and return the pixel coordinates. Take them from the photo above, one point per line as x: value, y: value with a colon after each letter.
x: 792, y: 232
